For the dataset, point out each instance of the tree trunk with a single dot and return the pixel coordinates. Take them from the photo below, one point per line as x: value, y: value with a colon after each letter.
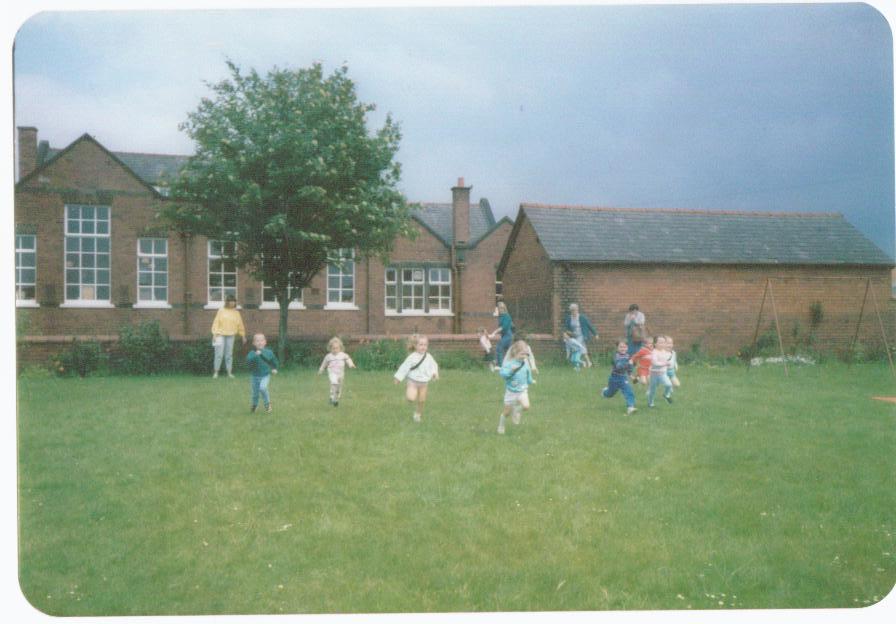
x: 282, y: 332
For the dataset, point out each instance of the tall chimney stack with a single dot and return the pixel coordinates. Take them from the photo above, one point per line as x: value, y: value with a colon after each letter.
x: 460, y: 205
x: 27, y: 138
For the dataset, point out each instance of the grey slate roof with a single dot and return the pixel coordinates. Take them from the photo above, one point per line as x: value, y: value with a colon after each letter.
x: 151, y: 168
x: 584, y: 234
x: 439, y: 219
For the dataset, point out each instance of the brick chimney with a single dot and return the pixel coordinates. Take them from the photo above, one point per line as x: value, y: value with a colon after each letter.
x: 27, y: 139
x: 460, y: 207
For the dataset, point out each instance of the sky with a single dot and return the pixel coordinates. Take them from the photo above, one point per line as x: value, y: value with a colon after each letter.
x: 724, y: 107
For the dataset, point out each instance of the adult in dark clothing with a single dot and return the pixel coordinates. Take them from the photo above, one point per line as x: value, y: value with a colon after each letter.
x: 505, y: 329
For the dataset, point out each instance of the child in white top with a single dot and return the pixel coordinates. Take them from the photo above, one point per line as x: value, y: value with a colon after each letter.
x: 673, y: 364
x: 486, y: 345
x: 419, y: 368
x: 335, y: 362
x: 659, y: 367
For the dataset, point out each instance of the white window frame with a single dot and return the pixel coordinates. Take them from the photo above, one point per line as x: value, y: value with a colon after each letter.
x: 438, y: 284
x: 501, y: 282
x: 214, y: 305
x: 23, y: 302
x: 400, y: 283
x: 152, y: 255
x: 414, y: 285
x: 81, y: 236
x: 294, y: 304
x: 344, y: 254
x: 396, y: 296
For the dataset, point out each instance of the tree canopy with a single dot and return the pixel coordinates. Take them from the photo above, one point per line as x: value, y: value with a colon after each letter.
x: 286, y: 168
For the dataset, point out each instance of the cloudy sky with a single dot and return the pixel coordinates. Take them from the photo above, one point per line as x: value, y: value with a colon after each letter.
x: 745, y: 107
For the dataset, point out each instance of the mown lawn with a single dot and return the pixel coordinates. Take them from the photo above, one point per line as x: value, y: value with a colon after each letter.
x: 164, y: 496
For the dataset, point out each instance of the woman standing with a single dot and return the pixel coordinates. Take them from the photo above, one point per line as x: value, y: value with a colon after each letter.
x: 505, y: 328
x: 581, y: 329
x: 227, y: 325
x: 635, y: 324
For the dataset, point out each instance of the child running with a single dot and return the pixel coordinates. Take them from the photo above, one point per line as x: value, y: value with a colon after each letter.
x: 641, y: 359
x: 619, y: 377
x: 263, y: 363
x: 659, y: 365
x: 673, y: 364
x: 335, y: 362
x: 517, y: 378
x: 574, y: 350
x: 419, y: 368
x: 486, y: 345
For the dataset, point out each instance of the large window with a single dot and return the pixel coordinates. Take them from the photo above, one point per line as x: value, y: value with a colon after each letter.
x: 26, y: 268
x: 341, y: 280
x: 87, y: 254
x: 418, y: 290
x: 152, y: 271
x: 269, y: 299
x: 221, y: 271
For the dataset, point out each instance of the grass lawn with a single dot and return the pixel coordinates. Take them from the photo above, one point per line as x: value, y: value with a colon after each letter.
x: 164, y: 496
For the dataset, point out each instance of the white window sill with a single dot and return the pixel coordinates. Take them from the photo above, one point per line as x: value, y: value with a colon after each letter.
x: 420, y: 313
x: 341, y: 306
x: 86, y: 304
x: 154, y: 305
x: 217, y: 305
x: 27, y: 303
x: 268, y: 305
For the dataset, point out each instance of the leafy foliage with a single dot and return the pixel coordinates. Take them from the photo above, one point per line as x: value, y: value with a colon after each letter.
x: 81, y: 358
x: 380, y: 355
x: 285, y: 167
x: 143, y: 349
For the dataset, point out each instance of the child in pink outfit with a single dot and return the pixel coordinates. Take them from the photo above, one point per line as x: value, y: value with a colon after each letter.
x: 334, y: 363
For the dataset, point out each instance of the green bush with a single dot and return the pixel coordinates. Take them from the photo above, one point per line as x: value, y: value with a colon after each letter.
x: 303, y: 353
x: 380, y: 355
x: 194, y: 357
x: 143, y: 349
x: 460, y: 360
x: 82, y: 359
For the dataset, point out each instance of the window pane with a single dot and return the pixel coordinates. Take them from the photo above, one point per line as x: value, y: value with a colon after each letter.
x: 102, y: 292
x: 72, y: 292
x: 161, y: 264
x: 71, y: 276
x: 74, y: 227
x: 102, y: 261
x: 88, y: 260
x: 214, y: 280
x: 161, y: 279
x: 88, y: 244
x: 347, y: 296
x: 87, y: 227
x: 161, y: 294
x: 88, y: 292
x: 27, y: 276
x: 87, y: 212
x: 87, y: 276
x: 145, y: 279
x: 215, y: 266
x: 160, y: 246
x: 145, y: 294
x: 391, y: 275
x: 102, y: 244
x: 102, y: 276
x: 333, y: 281
x: 102, y: 227
x: 214, y: 294
x: 27, y: 259
x: 348, y: 282
x: 74, y: 212
x: 229, y: 280
x: 102, y: 213
x: 145, y: 245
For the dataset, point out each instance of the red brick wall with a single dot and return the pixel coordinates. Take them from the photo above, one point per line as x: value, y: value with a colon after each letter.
x: 478, y: 280
x: 718, y: 306
x: 529, y: 282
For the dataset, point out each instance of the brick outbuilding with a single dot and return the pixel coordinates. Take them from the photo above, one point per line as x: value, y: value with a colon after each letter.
x: 699, y: 276
x: 91, y: 256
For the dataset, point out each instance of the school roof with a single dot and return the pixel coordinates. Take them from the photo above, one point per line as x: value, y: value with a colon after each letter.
x: 595, y: 234
x: 162, y: 169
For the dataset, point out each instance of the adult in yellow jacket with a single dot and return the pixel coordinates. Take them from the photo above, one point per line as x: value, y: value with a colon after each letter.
x: 227, y: 325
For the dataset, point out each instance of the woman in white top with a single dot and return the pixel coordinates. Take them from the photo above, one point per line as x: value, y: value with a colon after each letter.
x: 419, y: 368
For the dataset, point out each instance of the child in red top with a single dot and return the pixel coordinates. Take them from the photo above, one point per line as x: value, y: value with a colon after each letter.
x: 641, y: 359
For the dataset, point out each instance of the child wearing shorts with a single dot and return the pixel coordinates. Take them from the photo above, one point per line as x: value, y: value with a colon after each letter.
x: 335, y: 362
x: 263, y: 363
x: 673, y: 364
x: 419, y: 368
x: 517, y: 377
x: 619, y: 377
x: 641, y: 359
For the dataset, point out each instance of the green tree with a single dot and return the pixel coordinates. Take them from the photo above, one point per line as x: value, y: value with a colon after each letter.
x: 286, y: 168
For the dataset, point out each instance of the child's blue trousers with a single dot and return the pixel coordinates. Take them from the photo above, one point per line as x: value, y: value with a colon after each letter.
x: 655, y: 381
x: 260, y: 388
x: 618, y: 383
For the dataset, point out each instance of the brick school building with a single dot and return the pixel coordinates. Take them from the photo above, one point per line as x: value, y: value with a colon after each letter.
x: 92, y: 256
x: 699, y: 276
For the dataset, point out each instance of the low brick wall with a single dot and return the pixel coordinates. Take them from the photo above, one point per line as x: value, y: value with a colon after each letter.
x: 40, y: 350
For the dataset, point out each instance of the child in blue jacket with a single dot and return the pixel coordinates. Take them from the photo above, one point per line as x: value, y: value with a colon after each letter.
x: 263, y: 363
x: 622, y: 368
x: 517, y: 378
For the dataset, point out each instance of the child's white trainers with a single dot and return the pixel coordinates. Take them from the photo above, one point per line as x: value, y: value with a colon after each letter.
x: 631, y: 410
x: 416, y: 417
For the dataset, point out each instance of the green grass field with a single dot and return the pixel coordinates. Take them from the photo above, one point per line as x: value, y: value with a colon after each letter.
x: 164, y: 496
